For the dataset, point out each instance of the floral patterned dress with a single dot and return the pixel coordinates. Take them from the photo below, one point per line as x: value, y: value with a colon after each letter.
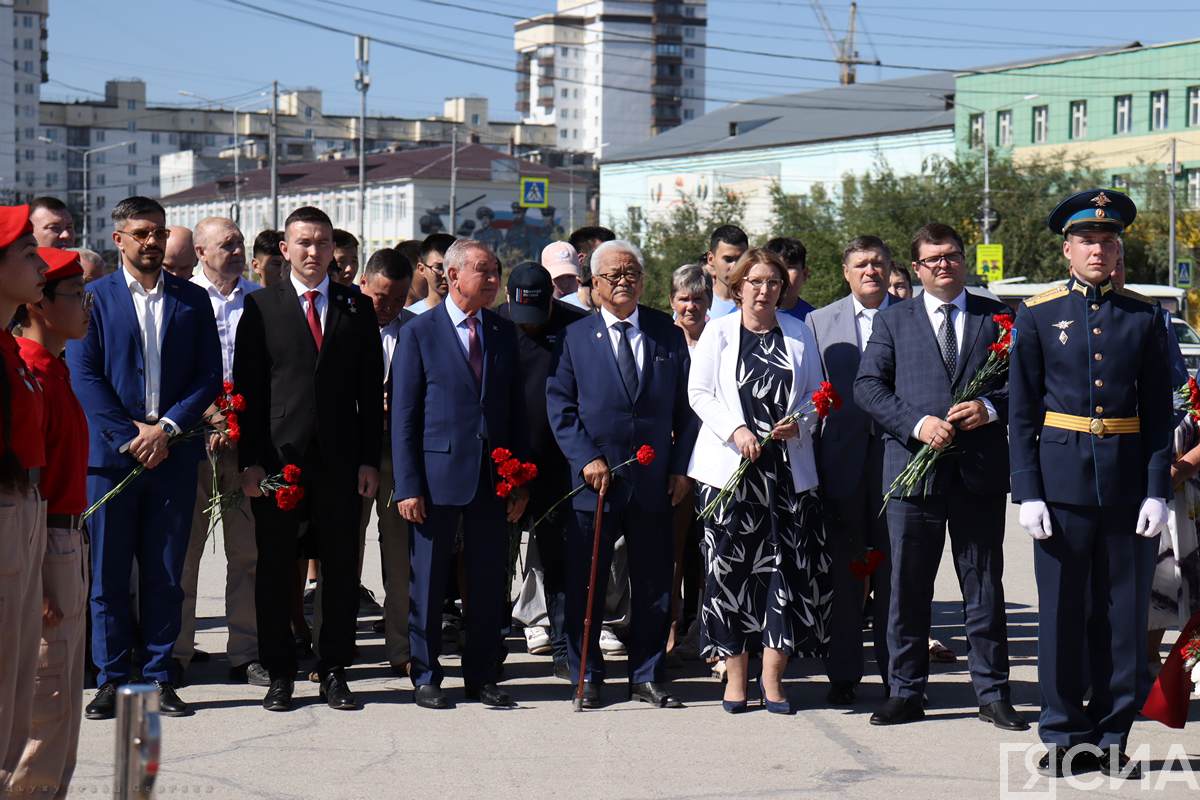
x: 767, y: 566
x: 1175, y: 594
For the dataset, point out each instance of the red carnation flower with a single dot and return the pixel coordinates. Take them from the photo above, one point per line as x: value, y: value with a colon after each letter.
x: 288, y: 497
x: 645, y: 455
x: 222, y: 402
x: 1005, y: 321
x: 237, y: 402
x: 233, y: 431
x: 503, y: 489
x: 227, y: 386
x: 528, y: 472
x: 509, y: 469
x: 863, y: 568
x: 291, y: 473
x: 500, y: 455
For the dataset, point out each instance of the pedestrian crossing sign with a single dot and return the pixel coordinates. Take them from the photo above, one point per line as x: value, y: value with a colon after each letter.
x: 535, y: 192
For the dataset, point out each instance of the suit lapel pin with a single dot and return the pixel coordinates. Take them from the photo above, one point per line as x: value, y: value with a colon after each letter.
x: 1062, y: 329
x: 599, y: 335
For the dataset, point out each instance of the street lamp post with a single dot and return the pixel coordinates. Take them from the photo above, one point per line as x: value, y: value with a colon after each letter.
x: 87, y: 175
x: 236, y: 211
x: 987, y: 183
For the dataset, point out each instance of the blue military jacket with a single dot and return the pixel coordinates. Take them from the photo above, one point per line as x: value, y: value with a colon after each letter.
x: 1093, y: 352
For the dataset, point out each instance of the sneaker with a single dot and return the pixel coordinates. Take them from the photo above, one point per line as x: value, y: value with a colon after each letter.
x: 366, y: 601
x: 610, y: 645
x: 310, y: 595
x: 537, y: 640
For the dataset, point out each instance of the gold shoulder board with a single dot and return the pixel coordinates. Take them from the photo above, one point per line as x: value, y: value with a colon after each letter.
x: 1135, y: 296
x: 1049, y: 294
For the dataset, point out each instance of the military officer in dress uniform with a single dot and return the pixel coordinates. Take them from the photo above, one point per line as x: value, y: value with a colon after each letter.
x: 1090, y: 420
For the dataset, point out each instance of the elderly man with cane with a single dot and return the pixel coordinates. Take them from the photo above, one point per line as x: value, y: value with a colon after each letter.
x: 620, y: 383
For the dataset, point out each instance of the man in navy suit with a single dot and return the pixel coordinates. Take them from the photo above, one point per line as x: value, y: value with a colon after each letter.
x: 146, y: 372
x: 621, y: 382
x: 457, y: 395
x: 921, y: 353
x: 851, y: 487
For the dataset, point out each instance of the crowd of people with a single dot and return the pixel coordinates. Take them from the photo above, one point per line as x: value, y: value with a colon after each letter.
x: 400, y: 391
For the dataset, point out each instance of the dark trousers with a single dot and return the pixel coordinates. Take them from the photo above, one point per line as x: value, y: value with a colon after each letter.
x: 1093, y: 577
x: 851, y: 520
x: 149, y: 521
x: 648, y: 538
x: 918, y: 530
x: 485, y: 601
x: 552, y: 551
x: 327, y: 522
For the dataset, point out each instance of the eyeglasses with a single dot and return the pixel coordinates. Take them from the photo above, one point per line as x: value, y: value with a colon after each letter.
x: 616, y: 278
x: 951, y: 259
x: 772, y: 284
x: 83, y: 298
x: 141, y: 237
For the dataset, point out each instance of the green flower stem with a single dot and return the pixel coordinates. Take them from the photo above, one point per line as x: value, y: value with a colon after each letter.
x: 734, y: 480
x: 113, y: 492
x: 574, y: 492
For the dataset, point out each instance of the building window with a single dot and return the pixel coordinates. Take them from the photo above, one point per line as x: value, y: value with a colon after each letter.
x: 131, y: 148
x: 1079, y: 119
x: 562, y: 134
x: 1004, y: 129
x: 308, y: 134
x: 131, y: 105
x: 1158, y: 111
x: 154, y: 181
x: 308, y: 112
x: 689, y: 113
x: 689, y: 52
x: 689, y: 11
x: 1193, y: 95
x: 99, y: 136
x: 210, y: 139
x: 132, y: 169
x: 564, y: 51
x: 976, y: 121
x: 689, y: 33
x: 1123, y: 114
x: 155, y: 138
x: 154, y: 161
x: 132, y: 126
x: 100, y: 202
x: 566, y: 93
x: 101, y: 179
x: 52, y: 155
x: 172, y: 138
x: 27, y: 21
x: 475, y: 117
x: 689, y: 73
x: 1193, y: 188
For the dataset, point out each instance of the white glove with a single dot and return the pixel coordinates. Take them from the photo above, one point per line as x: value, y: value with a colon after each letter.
x: 1152, y: 517
x: 1035, y: 519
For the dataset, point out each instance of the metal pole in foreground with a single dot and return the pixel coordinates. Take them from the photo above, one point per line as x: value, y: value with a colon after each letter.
x: 362, y: 82
x: 453, y: 180
x: 1171, y: 278
x: 139, y: 742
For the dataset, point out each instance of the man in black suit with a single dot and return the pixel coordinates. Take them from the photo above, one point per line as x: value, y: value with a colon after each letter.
x: 309, y: 361
x: 920, y: 354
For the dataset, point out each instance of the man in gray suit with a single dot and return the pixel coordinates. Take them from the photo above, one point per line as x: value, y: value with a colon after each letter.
x: 852, y: 487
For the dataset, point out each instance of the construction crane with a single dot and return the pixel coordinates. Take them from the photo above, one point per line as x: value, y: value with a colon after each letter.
x: 843, y: 49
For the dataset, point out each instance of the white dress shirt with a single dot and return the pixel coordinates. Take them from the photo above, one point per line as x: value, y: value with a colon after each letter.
x: 389, y: 333
x: 933, y: 310
x: 634, y: 334
x: 865, y: 317
x: 322, y: 290
x: 228, y: 312
x: 419, y: 307
x: 148, y: 308
x: 458, y: 318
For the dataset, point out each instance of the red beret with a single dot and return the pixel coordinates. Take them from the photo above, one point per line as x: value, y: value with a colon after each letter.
x: 14, y: 223
x: 62, y: 263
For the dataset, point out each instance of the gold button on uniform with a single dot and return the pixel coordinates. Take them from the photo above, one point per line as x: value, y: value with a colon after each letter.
x: 1099, y: 356
x: 1099, y: 409
x: 1095, y: 306
x: 1099, y: 383
x: 1096, y: 331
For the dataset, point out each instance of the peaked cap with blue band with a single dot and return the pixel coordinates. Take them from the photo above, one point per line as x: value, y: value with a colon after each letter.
x: 1093, y: 209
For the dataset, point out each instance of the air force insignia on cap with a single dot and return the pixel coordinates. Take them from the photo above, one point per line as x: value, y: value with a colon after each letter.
x: 1093, y: 209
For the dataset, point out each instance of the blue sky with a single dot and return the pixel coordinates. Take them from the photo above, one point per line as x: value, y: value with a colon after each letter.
x: 213, y: 48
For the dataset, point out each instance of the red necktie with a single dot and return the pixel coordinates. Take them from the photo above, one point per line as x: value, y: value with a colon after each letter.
x: 474, y: 352
x: 314, y: 321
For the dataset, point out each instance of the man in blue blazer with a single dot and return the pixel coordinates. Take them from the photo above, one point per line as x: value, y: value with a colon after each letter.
x: 620, y: 383
x: 851, y: 487
x: 457, y: 395
x: 146, y: 372
x: 921, y: 353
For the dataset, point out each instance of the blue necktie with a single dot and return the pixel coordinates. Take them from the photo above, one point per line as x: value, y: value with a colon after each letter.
x: 626, y: 362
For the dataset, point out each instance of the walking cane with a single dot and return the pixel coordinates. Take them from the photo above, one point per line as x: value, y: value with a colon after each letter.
x: 591, y: 596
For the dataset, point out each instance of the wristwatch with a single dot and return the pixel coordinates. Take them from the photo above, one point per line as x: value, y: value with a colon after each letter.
x: 169, y: 427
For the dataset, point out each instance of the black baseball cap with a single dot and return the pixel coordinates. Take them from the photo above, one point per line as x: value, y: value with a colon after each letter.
x: 530, y: 293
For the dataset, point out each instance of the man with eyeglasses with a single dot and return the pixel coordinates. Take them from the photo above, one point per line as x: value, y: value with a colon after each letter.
x: 620, y: 383
x: 148, y: 369
x: 921, y: 353
x: 52, y: 223
x: 429, y: 267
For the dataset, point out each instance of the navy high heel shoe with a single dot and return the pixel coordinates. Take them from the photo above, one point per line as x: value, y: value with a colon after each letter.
x: 733, y: 706
x: 774, y: 706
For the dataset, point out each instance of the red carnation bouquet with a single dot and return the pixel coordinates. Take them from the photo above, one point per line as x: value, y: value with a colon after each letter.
x: 284, y: 485
x: 993, y: 371
x: 1178, y: 679
x: 1187, y: 398
x: 823, y: 401
x: 511, y: 471
x: 223, y: 421
x: 644, y: 456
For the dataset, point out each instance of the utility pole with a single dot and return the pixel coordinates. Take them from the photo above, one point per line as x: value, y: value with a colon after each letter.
x: 1171, y: 218
x: 362, y: 82
x: 453, y: 180
x: 273, y: 145
x: 987, y: 188
x: 571, y: 195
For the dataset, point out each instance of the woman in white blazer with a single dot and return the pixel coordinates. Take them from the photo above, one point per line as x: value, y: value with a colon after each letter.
x: 767, y: 569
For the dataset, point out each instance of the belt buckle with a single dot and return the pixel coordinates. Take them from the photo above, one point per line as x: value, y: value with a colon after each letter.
x: 1096, y: 426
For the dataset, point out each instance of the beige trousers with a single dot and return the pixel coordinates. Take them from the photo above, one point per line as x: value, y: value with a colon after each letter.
x: 241, y: 557
x: 22, y: 547
x: 48, y: 762
x: 393, y: 549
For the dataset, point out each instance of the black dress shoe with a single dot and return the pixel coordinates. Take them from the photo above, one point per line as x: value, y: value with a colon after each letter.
x: 252, y: 673
x: 898, y: 710
x: 1116, y: 764
x: 841, y: 694
x: 336, y: 692
x: 430, y: 696
x: 1058, y: 762
x: 1003, y: 716
x: 490, y: 695
x: 169, y: 703
x: 562, y: 671
x: 279, y: 696
x: 104, y: 704
x: 654, y: 694
x: 591, y: 695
